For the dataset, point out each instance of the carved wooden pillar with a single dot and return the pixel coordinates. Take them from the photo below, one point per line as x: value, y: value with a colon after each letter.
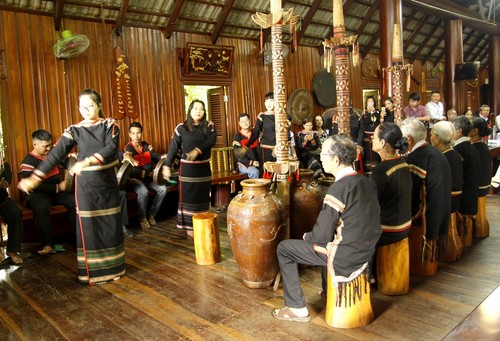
x: 454, y: 54
x: 386, y: 14
x: 494, y: 75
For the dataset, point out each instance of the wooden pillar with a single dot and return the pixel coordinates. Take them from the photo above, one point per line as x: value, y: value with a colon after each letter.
x: 454, y: 54
x: 494, y: 74
x: 386, y: 13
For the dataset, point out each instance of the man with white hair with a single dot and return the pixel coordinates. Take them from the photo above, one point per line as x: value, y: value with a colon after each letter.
x: 431, y: 201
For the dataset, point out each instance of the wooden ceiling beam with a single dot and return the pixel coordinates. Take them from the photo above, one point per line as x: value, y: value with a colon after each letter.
x: 480, y: 49
x: 450, y: 10
x: 222, y: 20
x: 58, y: 14
x: 436, y: 44
x: 121, y: 16
x: 415, y: 32
x: 172, y: 18
x: 435, y: 27
x: 307, y: 20
x: 367, y: 18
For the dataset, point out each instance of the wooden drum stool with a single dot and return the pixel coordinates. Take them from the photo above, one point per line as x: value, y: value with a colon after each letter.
x: 418, y: 268
x: 206, y: 238
x: 393, y: 268
x: 482, y: 229
x: 349, y: 305
x: 454, y: 242
x: 466, y: 228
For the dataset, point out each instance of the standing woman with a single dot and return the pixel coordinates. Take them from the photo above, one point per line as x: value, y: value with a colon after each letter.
x: 195, y: 138
x: 318, y: 128
x: 441, y: 137
x: 387, y: 111
x: 100, y: 247
x: 371, y: 120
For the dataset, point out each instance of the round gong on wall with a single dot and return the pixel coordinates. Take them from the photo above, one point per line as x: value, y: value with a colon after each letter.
x: 299, y: 105
x: 323, y: 88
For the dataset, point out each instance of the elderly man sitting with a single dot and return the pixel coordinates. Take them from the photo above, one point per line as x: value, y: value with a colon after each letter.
x: 345, y: 233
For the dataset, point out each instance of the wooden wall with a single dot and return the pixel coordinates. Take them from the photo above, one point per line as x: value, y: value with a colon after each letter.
x: 41, y: 91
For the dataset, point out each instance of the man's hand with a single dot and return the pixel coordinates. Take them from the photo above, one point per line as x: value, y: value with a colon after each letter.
x: 128, y: 157
x: 27, y: 185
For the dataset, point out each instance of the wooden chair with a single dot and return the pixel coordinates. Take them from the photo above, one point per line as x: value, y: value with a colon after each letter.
x: 206, y: 238
x: 454, y: 243
x: 417, y: 267
x: 224, y: 175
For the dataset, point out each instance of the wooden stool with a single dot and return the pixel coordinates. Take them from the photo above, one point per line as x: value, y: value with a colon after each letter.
x: 417, y: 268
x: 393, y: 268
x: 206, y: 238
x: 482, y: 229
x: 467, y: 229
x: 354, y: 308
x: 454, y: 242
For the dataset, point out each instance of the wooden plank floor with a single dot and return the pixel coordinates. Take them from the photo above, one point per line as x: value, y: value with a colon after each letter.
x: 165, y: 295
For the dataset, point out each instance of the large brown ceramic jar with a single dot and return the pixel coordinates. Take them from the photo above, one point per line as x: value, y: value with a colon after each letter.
x: 256, y: 224
x: 306, y: 201
x: 325, y: 183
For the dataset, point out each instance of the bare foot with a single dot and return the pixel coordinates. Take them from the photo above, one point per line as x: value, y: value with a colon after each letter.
x: 190, y: 233
x: 45, y: 251
x: 14, y: 257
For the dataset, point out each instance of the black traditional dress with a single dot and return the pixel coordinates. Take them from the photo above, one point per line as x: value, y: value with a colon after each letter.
x: 195, y: 177
x: 265, y: 124
x: 485, y: 167
x: 470, y: 190
x: 393, y: 180
x: 455, y: 161
x: 431, y: 199
x: 371, y: 120
x: 100, y: 246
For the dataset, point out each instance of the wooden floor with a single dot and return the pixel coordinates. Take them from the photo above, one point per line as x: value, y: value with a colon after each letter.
x: 165, y: 295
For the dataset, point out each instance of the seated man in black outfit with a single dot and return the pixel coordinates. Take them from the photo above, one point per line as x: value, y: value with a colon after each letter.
x: 344, y: 236
x: 50, y: 192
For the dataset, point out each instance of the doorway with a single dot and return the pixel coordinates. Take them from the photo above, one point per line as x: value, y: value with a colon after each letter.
x: 215, y: 99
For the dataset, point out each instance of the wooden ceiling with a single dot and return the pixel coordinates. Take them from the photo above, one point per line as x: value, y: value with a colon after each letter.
x: 422, y: 20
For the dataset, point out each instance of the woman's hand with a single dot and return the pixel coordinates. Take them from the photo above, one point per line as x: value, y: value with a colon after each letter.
x: 166, y: 172
x: 80, y: 165
x: 192, y: 155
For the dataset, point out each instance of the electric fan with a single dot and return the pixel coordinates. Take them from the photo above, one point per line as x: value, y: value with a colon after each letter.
x: 70, y: 45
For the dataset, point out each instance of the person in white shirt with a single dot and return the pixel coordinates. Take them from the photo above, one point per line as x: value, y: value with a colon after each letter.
x: 435, y: 108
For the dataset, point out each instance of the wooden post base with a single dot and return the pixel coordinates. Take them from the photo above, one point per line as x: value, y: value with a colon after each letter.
x: 454, y: 243
x: 393, y: 268
x: 354, y: 311
x: 482, y: 229
x: 206, y: 238
x: 417, y: 268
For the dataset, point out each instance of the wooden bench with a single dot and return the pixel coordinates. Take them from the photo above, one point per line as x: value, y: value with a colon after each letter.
x: 225, y: 176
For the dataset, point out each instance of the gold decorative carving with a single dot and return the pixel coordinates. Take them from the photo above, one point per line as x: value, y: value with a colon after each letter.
x: 214, y: 60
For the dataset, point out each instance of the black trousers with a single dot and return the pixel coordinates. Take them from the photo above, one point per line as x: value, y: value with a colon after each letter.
x: 40, y: 203
x: 13, y: 218
x: 291, y: 253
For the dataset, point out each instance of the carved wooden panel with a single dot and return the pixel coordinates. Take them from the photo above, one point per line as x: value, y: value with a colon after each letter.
x: 213, y: 60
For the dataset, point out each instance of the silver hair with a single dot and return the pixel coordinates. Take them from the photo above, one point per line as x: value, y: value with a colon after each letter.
x: 414, y: 128
x: 444, y: 130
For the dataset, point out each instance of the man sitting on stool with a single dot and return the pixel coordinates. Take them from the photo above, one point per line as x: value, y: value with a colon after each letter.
x: 49, y: 193
x: 345, y: 233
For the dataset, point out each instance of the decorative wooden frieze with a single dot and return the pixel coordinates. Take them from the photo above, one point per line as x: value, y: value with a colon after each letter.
x: 215, y: 60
